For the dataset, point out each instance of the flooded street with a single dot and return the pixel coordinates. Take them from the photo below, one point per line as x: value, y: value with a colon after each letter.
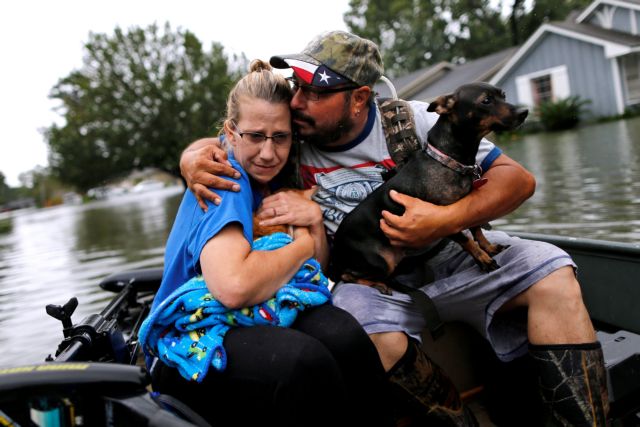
x: 51, y: 255
x: 588, y: 182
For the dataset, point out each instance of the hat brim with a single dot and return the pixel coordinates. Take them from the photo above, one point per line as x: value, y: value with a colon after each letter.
x: 280, y: 62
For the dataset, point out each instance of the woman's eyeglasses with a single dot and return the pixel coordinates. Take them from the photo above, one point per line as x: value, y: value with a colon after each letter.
x: 279, y: 139
x: 313, y: 93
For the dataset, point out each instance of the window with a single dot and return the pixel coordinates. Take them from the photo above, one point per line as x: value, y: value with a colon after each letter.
x: 550, y: 84
x: 631, y: 68
x: 542, y: 89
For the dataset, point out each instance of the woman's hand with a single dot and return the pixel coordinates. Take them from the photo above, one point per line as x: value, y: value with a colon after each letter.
x: 201, y: 165
x: 290, y: 207
x: 238, y: 276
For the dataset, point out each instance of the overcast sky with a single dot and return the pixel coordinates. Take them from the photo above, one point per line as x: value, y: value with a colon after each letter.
x: 41, y: 41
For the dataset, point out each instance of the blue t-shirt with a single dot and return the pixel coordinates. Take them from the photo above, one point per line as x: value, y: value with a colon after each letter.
x: 193, y: 228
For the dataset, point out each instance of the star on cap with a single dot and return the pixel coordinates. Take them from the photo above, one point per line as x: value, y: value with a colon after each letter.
x: 324, y: 77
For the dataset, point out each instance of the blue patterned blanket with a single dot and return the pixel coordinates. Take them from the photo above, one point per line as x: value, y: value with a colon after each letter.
x: 186, y: 330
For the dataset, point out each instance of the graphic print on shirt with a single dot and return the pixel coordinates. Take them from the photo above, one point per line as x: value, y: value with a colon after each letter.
x: 342, y: 189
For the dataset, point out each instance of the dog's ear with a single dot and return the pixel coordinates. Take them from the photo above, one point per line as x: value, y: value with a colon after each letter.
x: 443, y: 104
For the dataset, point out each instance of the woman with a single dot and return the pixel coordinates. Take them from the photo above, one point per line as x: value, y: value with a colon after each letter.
x: 324, y: 365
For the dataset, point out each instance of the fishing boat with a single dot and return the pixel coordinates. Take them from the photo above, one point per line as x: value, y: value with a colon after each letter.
x: 96, y: 376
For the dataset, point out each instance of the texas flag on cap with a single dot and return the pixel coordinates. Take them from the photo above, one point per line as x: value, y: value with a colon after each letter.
x: 316, y: 75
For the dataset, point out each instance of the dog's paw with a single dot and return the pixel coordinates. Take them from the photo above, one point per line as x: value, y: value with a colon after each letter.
x: 496, y: 249
x: 488, y: 265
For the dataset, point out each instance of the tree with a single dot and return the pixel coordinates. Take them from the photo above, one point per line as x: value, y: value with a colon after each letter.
x: 410, y: 33
x: 5, y: 191
x: 140, y: 97
x: 482, y: 29
x: 413, y: 34
x: 543, y: 11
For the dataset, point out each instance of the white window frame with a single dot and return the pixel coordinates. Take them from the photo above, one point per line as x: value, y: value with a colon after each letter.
x: 559, y: 84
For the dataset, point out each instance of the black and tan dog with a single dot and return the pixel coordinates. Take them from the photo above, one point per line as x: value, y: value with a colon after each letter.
x: 442, y: 173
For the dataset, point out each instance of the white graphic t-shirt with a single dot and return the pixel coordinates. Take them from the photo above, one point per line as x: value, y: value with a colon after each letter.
x: 347, y: 175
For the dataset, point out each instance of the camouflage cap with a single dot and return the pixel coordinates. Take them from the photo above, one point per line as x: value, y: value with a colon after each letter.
x: 333, y: 56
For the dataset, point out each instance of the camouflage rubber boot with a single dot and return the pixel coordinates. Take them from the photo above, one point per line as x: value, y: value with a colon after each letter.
x: 424, y: 395
x: 573, y: 383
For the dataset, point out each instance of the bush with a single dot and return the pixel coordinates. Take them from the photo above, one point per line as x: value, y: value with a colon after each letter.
x: 562, y: 114
x: 5, y: 225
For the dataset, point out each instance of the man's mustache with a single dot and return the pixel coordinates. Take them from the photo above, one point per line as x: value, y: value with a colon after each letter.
x: 303, y: 117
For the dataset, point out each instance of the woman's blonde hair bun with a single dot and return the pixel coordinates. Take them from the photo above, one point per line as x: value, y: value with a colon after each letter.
x: 258, y: 65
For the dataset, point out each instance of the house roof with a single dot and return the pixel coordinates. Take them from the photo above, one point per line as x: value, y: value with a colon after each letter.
x: 409, y: 83
x: 428, y: 83
x: 615, y: 43
x: 604, y: 34
x: 481, y: 69
x: 631, y: 4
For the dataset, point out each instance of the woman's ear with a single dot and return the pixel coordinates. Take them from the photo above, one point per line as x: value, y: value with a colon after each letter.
x: 229, y: 131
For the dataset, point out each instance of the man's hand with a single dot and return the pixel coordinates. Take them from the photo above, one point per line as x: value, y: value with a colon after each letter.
x: 296, y: 208
x: 202, y: 164
x: 421, y: 223
x: 508, y: 186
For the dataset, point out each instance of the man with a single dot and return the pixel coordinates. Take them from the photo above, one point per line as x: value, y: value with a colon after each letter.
x: 344, y: 152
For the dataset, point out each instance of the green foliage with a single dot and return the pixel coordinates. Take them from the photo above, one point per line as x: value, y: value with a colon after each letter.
x: 41, y: 186
x: 139, y: 99
x: 8, y: 194
x: 413, y: 34
x: 483, y: 30
x: 543, y: 11
x: 4, y: 190
x: 5, y: 225
x: 410, y: 33
x: 561, y: 114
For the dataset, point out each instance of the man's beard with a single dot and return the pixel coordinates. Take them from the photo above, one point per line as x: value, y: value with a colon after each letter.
x: 326, y: 135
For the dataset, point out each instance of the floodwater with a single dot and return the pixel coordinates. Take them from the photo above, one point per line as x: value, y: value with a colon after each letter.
x: 588, y: 182
x: 588, y: 185
x: 50, y: 255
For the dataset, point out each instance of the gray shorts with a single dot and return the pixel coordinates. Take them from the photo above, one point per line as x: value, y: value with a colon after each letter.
x: 462, y: 292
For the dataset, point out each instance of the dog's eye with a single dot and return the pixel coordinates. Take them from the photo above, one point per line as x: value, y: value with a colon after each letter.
x: 487, y: 100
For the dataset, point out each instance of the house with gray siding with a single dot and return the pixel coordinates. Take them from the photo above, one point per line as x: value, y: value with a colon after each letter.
x: 594, y: 54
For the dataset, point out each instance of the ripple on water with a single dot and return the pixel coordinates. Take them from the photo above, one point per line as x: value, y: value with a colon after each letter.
x: 51, y: 255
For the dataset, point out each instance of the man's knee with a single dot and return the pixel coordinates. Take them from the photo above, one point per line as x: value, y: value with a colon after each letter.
x: 391, y: 347
x: 558, y: 288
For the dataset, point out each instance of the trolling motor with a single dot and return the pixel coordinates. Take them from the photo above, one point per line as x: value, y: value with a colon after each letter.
x: 96, y: 338
x: 111, y: 335
x: 63, y: 313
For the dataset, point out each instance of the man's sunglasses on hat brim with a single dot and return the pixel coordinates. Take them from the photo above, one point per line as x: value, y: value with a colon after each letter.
x: 314, y: 93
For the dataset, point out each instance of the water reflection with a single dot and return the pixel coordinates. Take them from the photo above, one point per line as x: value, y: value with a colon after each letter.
x: 54, y: 254
x: 588, y: 182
